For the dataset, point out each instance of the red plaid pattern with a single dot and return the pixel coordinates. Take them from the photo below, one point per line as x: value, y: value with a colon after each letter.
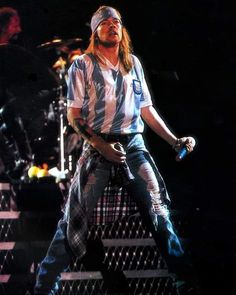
x: 114, y: 203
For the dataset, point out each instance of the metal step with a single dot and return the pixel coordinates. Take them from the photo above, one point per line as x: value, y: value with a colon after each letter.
x: 150, y: 282
x: 128, y: 242
x: 11, y: 278
x: 4, y: 186
x: 147, y: 273
x: 10, y: 214
x: 96, y: 275
x: 85, y: 275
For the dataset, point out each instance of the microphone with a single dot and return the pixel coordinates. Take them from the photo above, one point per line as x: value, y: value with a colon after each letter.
x: 184, y: 151
x: 181, y: 154
x: 124, y: 172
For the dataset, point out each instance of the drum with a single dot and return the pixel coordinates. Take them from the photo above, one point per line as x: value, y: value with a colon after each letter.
x: 27, y: 86
x: 35, y: 93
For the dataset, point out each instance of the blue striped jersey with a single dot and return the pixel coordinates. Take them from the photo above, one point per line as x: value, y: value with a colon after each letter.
x: 110, y: 98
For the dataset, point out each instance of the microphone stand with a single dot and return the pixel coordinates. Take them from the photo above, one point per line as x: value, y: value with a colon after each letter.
x: 61, y: 173
x: 62, y: 130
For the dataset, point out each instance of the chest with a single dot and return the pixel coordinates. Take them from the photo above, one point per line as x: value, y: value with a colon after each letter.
x: 104, y: 81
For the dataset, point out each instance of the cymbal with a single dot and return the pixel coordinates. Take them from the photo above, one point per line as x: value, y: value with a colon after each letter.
x: 57, y: 43
x: 59, y: 64
x: 74, y: 54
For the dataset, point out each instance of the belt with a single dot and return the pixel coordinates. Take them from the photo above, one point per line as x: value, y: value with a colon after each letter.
x: 122, y: 138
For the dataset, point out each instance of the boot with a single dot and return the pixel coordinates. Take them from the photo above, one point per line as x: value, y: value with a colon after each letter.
x: 187, y: 288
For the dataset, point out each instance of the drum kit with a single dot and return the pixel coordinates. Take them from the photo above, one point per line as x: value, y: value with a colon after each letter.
x: 38, y: 96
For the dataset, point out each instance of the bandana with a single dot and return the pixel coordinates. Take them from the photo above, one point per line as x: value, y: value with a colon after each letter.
x: 102, y: 15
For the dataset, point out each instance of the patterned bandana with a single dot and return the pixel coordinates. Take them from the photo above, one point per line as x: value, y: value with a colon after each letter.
x: 101, y: 15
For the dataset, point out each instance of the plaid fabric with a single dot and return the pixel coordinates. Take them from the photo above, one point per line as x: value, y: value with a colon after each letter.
x: 75, y: 211
x: 115, y: 203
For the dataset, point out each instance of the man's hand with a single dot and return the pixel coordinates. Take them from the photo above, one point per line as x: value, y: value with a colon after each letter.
x: 109, y: 152
x: 189, y: 142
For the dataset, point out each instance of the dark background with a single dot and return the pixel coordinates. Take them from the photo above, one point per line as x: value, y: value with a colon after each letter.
x: 188, y: 49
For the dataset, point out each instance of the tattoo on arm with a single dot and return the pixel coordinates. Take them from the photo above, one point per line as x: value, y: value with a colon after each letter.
x: 81, y: 127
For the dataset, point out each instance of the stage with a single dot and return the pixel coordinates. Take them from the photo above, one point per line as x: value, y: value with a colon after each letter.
x: 189, y: 57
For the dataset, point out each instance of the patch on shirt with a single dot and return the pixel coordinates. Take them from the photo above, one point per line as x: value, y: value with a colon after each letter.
x: 137, y: 86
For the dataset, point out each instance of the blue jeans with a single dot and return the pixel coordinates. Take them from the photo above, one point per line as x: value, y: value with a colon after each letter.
x: 56, y: 261
x: 148, y: 191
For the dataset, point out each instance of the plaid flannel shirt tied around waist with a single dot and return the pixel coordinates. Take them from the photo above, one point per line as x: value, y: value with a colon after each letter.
x: 77, y: 221
x: 115, y: 202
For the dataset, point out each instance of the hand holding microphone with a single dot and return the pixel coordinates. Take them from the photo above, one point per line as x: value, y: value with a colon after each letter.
x: 183, y: 147
x: 124, y: 172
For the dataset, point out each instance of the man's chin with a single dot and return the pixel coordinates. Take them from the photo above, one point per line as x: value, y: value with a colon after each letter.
x: 110, y: 44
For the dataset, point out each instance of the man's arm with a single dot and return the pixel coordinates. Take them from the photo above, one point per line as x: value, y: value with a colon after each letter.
x: 80, y: 125
x: 156, y: 123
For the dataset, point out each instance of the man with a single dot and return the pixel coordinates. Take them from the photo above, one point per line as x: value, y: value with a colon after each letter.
x: 108, y: 100
x: 25, y: 85
x: 10, y: 27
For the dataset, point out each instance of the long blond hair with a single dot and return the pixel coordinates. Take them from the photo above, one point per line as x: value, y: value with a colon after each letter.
x: 125, y: 47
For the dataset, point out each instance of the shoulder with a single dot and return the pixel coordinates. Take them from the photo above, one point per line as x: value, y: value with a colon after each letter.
x: 81, y: 61
x: 136, y: 61
x: 82, y: 64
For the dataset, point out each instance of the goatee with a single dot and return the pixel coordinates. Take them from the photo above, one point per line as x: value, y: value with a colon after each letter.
x: 108, y: 44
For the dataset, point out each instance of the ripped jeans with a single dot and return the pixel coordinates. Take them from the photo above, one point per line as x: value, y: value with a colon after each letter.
x: 147, y: 190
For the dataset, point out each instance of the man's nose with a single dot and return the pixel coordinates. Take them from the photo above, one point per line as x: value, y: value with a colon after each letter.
x: 111, y: 24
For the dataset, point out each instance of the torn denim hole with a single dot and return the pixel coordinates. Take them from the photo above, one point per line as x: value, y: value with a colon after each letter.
x: 147, y: 174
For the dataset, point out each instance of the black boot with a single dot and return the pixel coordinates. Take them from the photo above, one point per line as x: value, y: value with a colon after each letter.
x: 187, y: 288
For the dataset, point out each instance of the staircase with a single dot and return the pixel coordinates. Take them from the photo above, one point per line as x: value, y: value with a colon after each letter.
x: 25, y: 234
x: 122, y: 257
x: 130, y: 258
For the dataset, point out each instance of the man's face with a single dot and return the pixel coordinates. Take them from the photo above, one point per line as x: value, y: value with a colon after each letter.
x: 110, y: 32
x: 14, y: 27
